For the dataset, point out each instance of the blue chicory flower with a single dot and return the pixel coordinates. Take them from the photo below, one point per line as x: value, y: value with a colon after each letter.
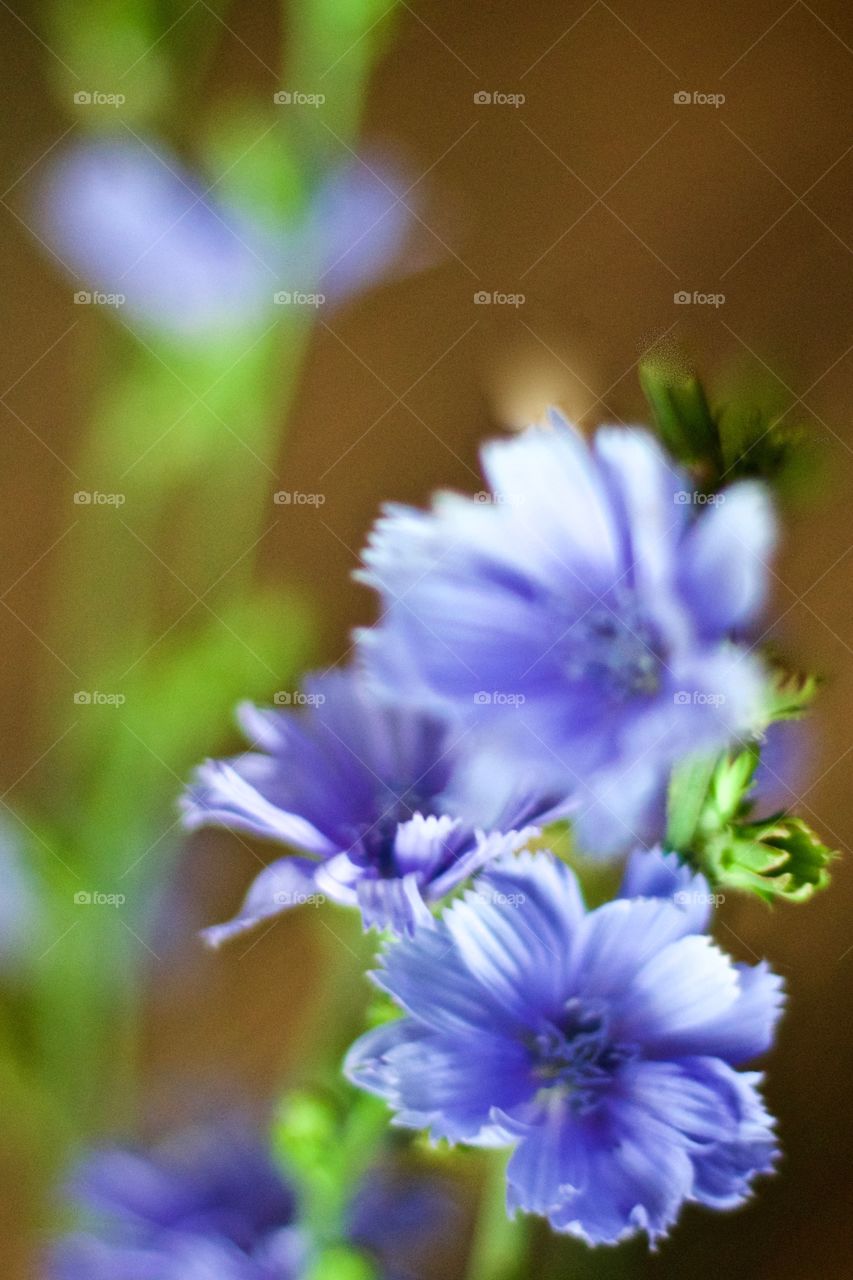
x: 588, y: 610
x: 207, y: 1206
x: 601, y: 1045
x: 374, y: 793
x: 131, y: 221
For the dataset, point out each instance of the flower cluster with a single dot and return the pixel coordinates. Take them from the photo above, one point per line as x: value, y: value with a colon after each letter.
x: 563, y: 649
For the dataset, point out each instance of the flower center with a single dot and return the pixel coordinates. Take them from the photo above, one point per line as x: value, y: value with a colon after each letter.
x: 614, y: 649
x: 394, y: 805
x: 575, y: 1054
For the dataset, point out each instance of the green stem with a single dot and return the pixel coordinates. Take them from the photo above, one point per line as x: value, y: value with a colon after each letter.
x: 500, y: 1243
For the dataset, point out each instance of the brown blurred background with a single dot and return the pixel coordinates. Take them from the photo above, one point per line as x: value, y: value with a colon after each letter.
x: 597, y: 200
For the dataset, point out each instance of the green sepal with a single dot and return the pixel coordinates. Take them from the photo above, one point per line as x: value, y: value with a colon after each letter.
x: 731, y: 783
x: 757, y: 443
x: 780, y: 858
x: 791, y: 697
x: 739, y: 439
x: 710, y: 828
x: 688, y: 794
x: 681, y: 414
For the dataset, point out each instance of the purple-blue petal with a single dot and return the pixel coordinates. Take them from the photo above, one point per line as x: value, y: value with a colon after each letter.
x: 286, y: 883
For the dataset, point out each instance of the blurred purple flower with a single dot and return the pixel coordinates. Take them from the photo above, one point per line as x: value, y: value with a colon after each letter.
x: 376, y: 795
x: 133, y: 223
x: 211, y: 1205
x: 358, y: 228
x: 19, y: 903
x: 208, y: 1206
x: 397, y: 1218
x: 585, y: 611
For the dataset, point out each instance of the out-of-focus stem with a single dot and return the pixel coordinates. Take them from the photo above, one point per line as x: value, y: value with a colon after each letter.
x: 500, y: 1244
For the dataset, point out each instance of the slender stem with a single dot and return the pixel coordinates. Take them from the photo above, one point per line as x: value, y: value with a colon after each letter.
x: 500, y: 1243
